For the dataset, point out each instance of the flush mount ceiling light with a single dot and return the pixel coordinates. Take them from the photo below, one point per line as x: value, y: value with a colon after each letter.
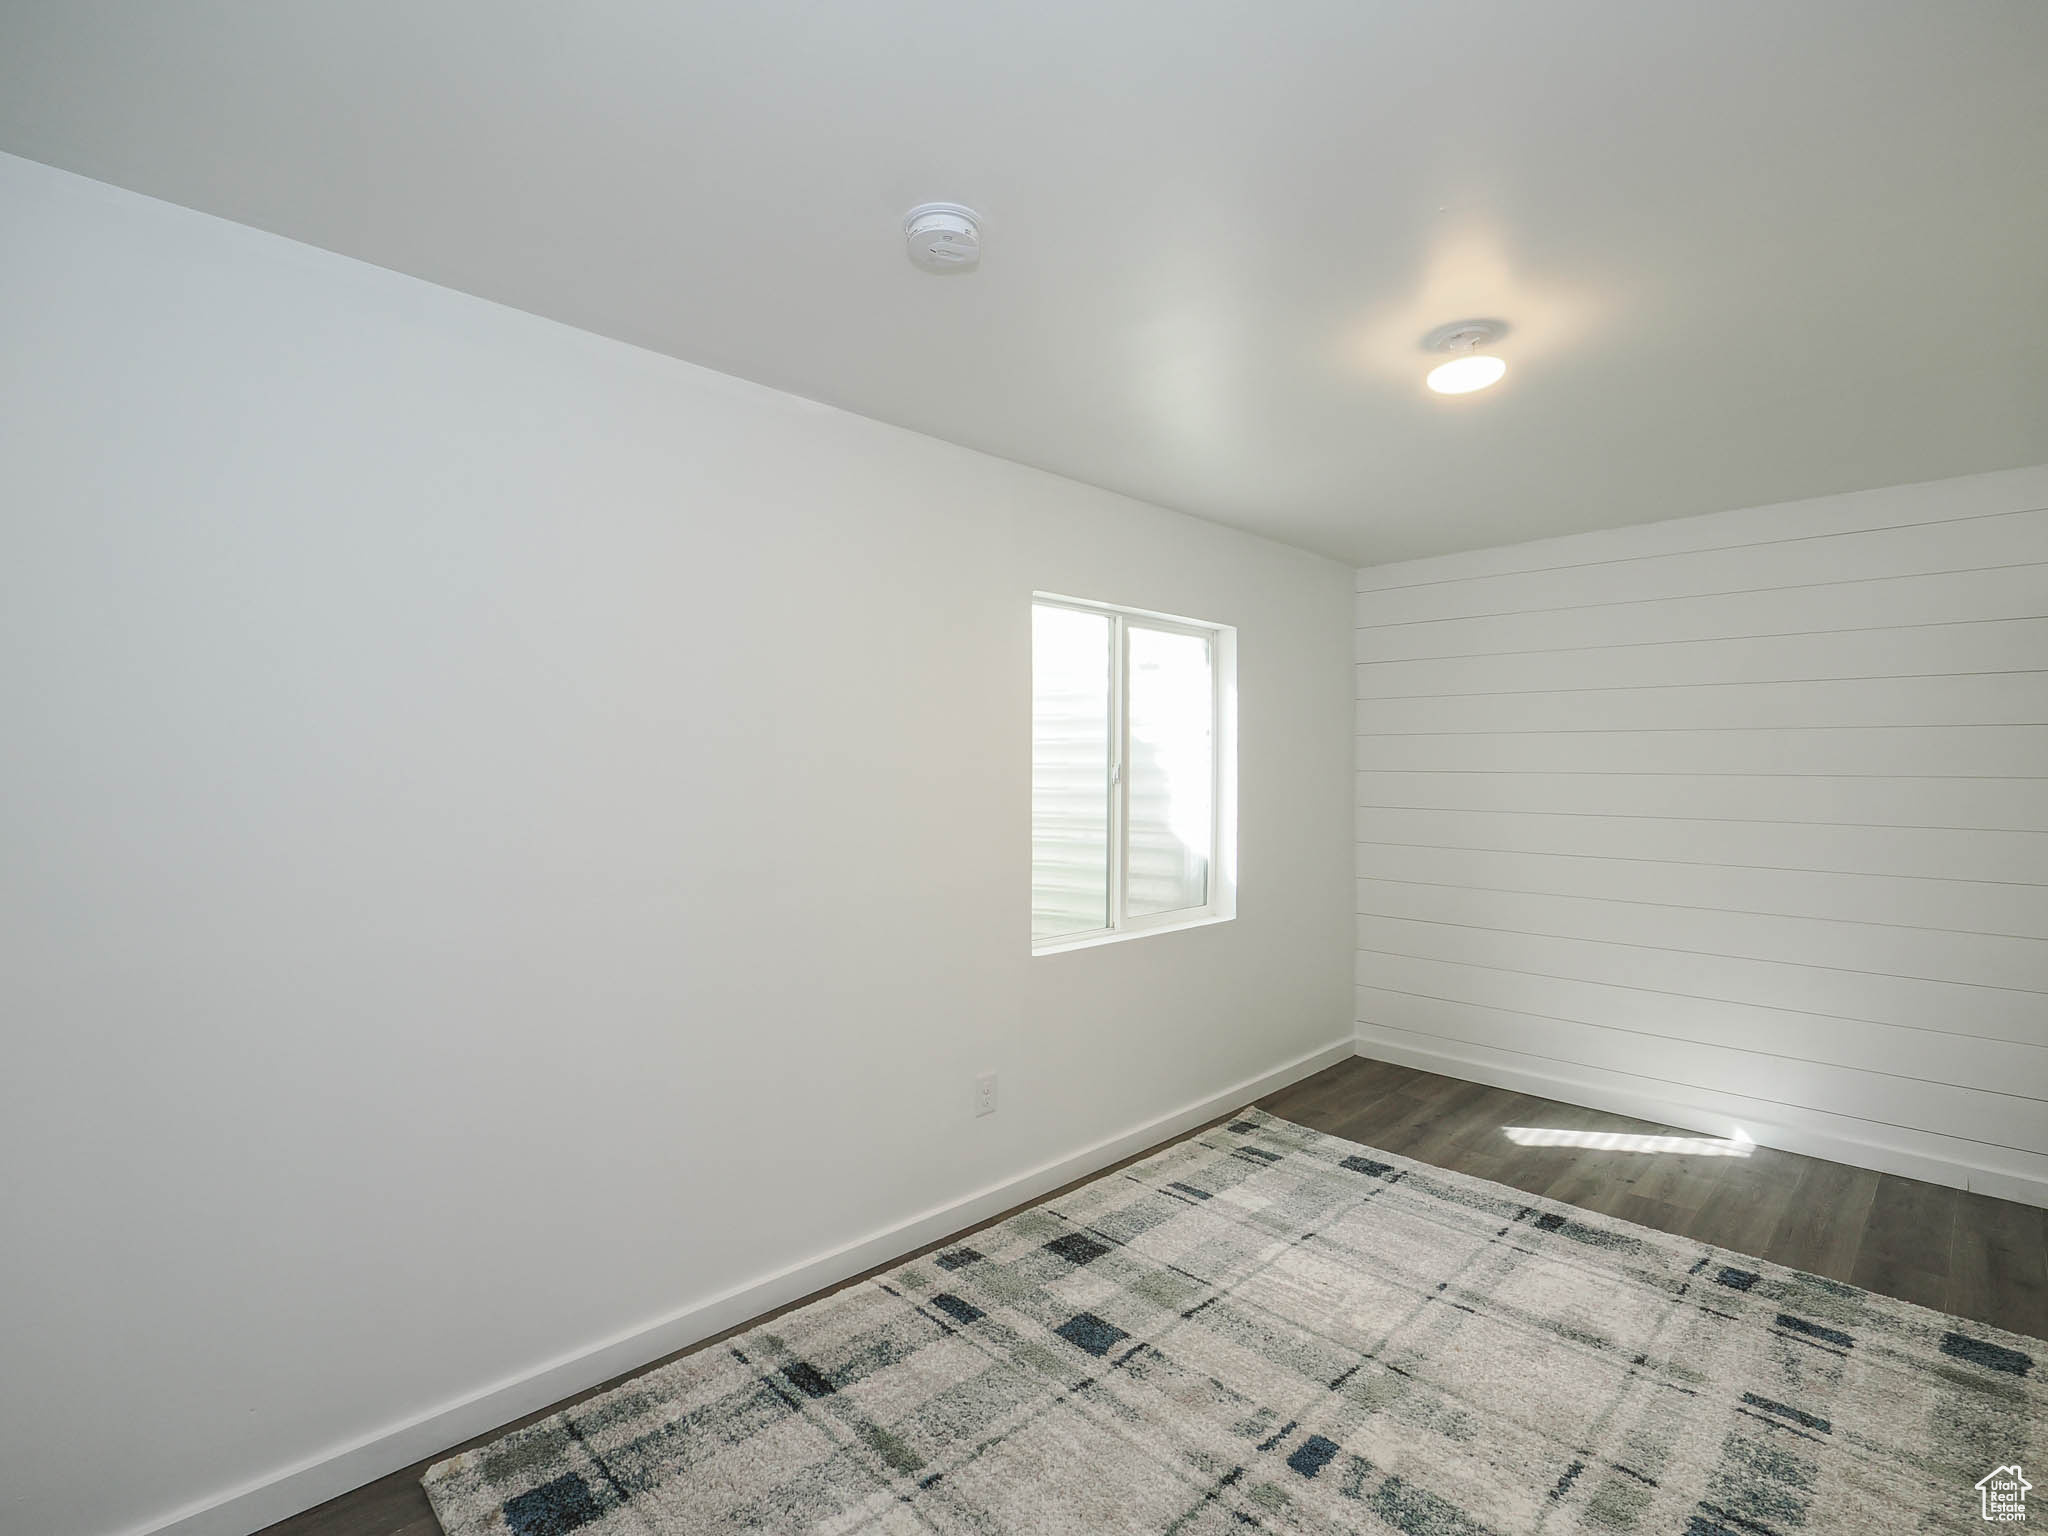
x: 1469, y: 368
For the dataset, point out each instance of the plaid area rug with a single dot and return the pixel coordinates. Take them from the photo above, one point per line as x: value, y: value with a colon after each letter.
x: 1271, y: 1328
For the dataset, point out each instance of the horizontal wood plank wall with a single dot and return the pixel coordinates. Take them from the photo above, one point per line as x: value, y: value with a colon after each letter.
x: 1737, y: 820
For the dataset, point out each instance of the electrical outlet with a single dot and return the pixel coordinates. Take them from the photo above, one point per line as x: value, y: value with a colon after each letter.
x: 985, y: 1094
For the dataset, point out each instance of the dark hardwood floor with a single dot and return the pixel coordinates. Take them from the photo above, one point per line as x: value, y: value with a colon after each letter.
x: 1968, y: 1254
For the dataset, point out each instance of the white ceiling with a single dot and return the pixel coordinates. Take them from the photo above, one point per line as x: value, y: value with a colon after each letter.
x: 1752, y: 250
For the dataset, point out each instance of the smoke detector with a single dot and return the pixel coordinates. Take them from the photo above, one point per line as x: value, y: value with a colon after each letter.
x: 943, y: 237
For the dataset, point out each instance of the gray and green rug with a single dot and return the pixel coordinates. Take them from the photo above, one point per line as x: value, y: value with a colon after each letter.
x: 1267, y: 1327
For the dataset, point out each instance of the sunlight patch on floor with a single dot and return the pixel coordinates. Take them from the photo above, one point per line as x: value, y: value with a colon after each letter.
x: 1621, y: 1141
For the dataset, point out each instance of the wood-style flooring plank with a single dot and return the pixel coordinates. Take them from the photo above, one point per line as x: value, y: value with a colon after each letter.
x: 1822, y: 1227
x: 1998, y: 1264
x: 1908, y: 1241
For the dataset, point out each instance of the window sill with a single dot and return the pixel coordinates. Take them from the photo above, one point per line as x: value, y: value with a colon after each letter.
x: 1096, y: 940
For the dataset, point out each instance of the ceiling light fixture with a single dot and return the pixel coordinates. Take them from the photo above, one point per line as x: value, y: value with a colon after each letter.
x: 1469, y: 368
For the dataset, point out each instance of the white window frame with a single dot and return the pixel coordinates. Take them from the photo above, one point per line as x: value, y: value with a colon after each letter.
x: 1222, y: 904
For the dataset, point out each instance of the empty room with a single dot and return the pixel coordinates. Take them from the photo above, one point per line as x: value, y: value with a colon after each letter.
x: 1074, y: 768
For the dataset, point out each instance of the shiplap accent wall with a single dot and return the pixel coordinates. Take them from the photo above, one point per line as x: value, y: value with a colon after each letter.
x: 1736, y: 820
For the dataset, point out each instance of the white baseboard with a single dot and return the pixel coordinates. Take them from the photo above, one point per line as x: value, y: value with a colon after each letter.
x: 1703, y: 1110
x: 290, y: 1490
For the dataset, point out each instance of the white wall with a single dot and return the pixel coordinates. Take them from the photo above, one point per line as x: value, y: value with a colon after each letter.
x: 1731, y: 820
x: 508, y: 838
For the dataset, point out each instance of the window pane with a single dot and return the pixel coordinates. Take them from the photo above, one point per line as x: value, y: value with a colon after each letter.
x: 1070, y: 733
x: 1172, y: 767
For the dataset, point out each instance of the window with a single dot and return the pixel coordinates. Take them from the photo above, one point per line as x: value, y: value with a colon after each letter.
x: 1133, y: 804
